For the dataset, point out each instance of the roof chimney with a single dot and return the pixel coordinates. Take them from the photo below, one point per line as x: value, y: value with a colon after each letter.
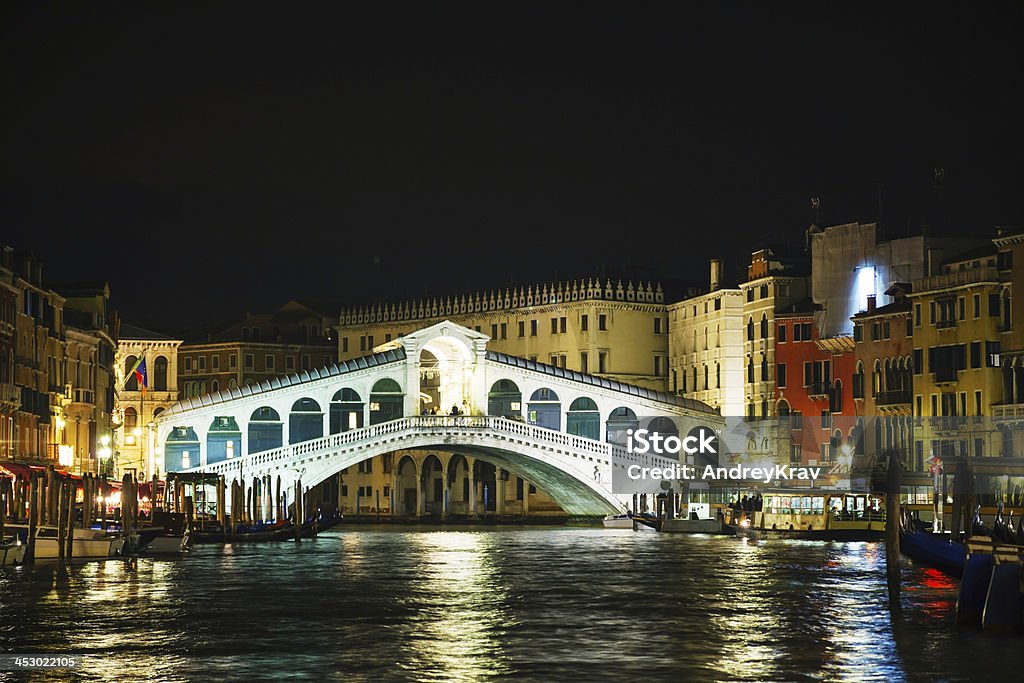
x: 871, y: 302
x: 716, y: 273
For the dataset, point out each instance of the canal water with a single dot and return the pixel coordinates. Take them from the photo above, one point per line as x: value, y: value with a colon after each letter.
x: 465, y: 604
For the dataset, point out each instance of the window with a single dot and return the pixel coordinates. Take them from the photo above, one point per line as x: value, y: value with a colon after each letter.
x: 202, y: 363
x: 782, y: 334
x: 289, y: 362
x: 909, y: 327
x: 602, y: 361
x: 554, y: 326
x: 718, y: 304
x: 657, y: 366
x: 750, y: 329
x: 918, y: 361
x: 780, y: 375
x: 215, y: 362
x: 248, y: 361
x: 977, y: 404
x: 233, y: 361
x: 657, y: 326
x: 976, y: 300
x: 561, y: 325
x: 602, y: 322
x: 961, y: 308
x: 584, y: 323
x: 504, y: 331
x: 387, y: 337
x: 305, y: 360
x: 764, y: 291
x: 533, y: 328
x: 369, y: 341
x: 750, y: 370
x: 764, y: 326
x: 917, y: 315
x: 494, y: 330
x: 750, y: 297
x: 269, y: 362
x: 858, y: 332
x: 931, y: 312
x: 992, y: 354
x: 975, y: 355
x: 993, y: 305
x: 522, y: 328
x: 344, y: 344
x: 583, y: 362
x: 806, y: 331
x: 362, y: 343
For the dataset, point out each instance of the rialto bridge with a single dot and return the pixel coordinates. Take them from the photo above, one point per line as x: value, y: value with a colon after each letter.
x: 437, y: 388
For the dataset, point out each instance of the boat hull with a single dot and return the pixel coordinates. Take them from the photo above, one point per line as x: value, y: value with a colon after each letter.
x: 845, y: 535
x: 12, y: 554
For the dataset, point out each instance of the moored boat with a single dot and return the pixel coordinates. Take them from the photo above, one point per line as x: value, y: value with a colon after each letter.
x: 12, y: 551
x: 87, y: 543
x: 813, y: 514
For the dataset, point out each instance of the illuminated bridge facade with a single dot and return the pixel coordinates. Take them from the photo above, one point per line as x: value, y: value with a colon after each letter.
x: 437, y: 388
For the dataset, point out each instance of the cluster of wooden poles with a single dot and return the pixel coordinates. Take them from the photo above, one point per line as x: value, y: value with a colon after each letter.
x: 48, y: 498
x: 250, y: 503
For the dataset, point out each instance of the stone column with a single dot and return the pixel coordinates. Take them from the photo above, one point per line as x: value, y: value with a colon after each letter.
x: 421, y: 492
x: 499, y: 491
x: 526, y: 498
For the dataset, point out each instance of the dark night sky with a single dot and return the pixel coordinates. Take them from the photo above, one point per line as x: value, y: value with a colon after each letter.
x: 207, y: 161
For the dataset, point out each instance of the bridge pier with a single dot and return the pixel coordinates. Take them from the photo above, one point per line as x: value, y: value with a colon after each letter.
x: 500, y: 479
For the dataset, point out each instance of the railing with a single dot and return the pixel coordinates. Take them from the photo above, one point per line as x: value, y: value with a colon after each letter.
x: 818, y: 389
x: 894, y: 397
x: 945, y: 324
x: 945, y: 374
x: 947, y: 423
x: 956, y: 279
x: 10, y: 393
x: 439, y: 424
x: 82, y: 396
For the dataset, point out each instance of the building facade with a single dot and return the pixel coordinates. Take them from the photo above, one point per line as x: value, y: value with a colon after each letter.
x: 612, y: 330
x: 131, y: 444
x: 706, y: 346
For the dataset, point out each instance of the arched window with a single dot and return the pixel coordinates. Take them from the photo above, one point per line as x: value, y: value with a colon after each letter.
x: 160, y: 374
x: 705, y: 377
x: 131, y: 420
x: 836, y: 399
x: 131, y: 383
x: 858, y: 380
x: 718, y: 376
x: 764, y: 326
x: 750, y: 329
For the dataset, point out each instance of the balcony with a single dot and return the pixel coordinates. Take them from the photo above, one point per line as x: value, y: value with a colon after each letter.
x: 10, y: 396
x: 818, y: 389
x: 83, y: 396
x: 947, y: 423
x: 946, y: 324
x: 959, y: 278
x: 944, y: 375
x: 893, y: 398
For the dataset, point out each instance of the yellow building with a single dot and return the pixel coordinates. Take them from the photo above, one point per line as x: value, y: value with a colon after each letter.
x: 132, y: 444
x: 34, y: 405
x: 613, y: 330
x: 706, y: 346
x: 958, y: 321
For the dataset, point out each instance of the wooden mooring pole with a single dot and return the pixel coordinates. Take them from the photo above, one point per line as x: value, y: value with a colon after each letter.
x: 892, y: 531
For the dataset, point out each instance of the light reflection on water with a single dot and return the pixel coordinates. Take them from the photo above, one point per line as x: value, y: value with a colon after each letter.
x: 374, y: 604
